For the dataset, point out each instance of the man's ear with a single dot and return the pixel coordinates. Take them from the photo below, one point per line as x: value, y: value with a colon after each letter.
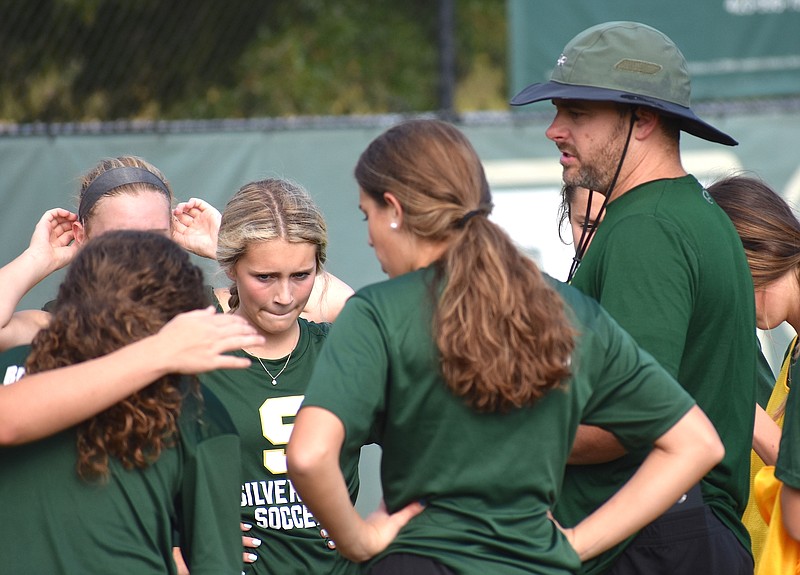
x: 646, y: 121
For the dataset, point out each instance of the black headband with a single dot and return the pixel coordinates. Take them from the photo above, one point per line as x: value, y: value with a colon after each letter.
x: 114, y: 178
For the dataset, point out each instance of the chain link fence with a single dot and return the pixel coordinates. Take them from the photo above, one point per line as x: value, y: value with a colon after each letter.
x: 121, y: 66
x: 63, y: 60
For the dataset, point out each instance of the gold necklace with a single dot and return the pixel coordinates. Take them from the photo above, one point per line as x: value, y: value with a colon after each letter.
x: 277, y: 375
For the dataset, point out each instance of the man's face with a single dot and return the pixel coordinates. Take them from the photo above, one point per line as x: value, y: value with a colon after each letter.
x: 590, y: 136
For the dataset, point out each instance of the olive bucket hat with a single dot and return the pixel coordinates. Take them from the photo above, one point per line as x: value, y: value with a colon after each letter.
x: 625, y: 62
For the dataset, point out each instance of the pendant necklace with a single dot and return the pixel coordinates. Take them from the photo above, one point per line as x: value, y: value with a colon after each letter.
x: 277, y: 375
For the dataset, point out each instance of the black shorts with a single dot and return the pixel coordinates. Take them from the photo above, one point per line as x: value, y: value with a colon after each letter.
x: 408, y: 564
x: 691, y: 542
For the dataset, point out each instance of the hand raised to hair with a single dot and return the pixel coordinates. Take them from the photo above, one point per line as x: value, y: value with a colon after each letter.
x: 195, y: 226
x: 52, y: 244
x: 197, y: 341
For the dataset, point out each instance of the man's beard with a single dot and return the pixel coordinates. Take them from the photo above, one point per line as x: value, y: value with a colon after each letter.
x: 596, y: 173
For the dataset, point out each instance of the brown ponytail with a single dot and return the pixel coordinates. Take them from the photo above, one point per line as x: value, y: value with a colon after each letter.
x: 501, y: 329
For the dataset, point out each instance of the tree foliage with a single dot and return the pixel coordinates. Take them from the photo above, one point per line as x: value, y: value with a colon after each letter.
x: 68, y: 60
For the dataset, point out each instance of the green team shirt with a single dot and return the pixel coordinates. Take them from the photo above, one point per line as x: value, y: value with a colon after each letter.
x: 12, y: 363
x: 264, y: 418
x: 488, y: 479
x: 53, y: 522
x: 766, y: 379
x: 787, y: 468
x: 668, y: 265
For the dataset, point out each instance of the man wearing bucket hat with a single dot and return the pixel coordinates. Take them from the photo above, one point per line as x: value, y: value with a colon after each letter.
x: 666, y: 263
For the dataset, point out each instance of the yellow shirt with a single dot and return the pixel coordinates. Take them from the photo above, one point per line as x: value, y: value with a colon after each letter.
x: 752, y: 517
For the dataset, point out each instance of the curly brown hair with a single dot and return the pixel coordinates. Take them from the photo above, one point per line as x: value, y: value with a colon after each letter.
x: 520, y: 339
x: 122, y: 287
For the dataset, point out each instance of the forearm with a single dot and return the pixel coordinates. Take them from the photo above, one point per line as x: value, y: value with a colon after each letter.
x: 640, y: 501
x: 766, y: 437
x: 594, y: 445
x: 327, y: 298
x: 678, y: 460
x: 47, y: 402
x: 22, y: 328
x: 191, y: 342
x: 324, y: 491
x: 17, y: 279
x: 313, y: 462
x: 51, y: 248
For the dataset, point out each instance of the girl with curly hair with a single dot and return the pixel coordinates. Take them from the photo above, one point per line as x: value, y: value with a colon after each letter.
x: 105, y: 495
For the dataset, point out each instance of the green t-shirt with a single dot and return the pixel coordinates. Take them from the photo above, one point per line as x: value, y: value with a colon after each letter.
x: 668, y: 265
x: 12, y: 363
x: 264, y: 418
x: 766, y: 379
x: 53, y: 522
x: 787, y: 468
x: 488, y: 479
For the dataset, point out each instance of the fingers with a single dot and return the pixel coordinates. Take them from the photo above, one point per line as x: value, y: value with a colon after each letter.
x: 222, y: 325
x: 552, y: 518
x: 185, y: 212
x: 191, y: 204
x: 383, y: 527
x: 179, y: 561
x: 207, y: 312
x: 569, y: 532
x: 59, y: 215
x: 232, y: 331
x: 407, y: 513
x: 195, y: 225
x: 63, y: 238
x: 52, y: 242
x: 249, y: 543
x: 232, y: 362
x: 329, y: 543
x: 208, y: 333
x: 198, y: 341
x: 184, y: 218
x: 243, y: 337
x: 56, y: 222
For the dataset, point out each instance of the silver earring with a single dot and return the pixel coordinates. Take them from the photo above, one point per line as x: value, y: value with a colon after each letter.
x: 393, y: 225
